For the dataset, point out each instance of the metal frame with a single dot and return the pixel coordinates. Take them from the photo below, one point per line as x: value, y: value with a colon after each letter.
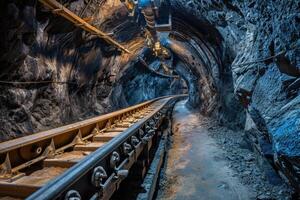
x: 78, y: 179
x: 56, y: 140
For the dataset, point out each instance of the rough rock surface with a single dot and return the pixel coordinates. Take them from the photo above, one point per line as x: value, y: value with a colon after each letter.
x: 261, y: 41
x: 251, y: 169
x: 86, y: 74
x: 39, y: 47
x: 225, y: 51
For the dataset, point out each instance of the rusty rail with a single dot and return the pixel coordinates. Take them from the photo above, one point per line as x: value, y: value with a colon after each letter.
x: 136, y: 126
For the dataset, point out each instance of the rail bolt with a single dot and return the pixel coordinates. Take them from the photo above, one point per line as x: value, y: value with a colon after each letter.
x: 99, y: 174
x: 151, y: 122
x: 146, y: 139
x: 141, y: 133
x: 134, y: 141
x: 114, y: 159
x: 72, y: 195
x: 37, y: 150
x: 151, y: 132
x: 148, y: 128
x: 122, y: 173
x: 127, y: 148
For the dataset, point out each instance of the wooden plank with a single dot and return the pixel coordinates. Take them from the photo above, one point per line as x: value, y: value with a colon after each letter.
x: 26, y: 185
x: 66, y: 160
x: 123, y: 125
x: 30, y: 139
x: 88, y: 147
x: 17, y: 190
x: 40, y: 177
x: 9, y: 198
x: 132, y: 121
x: 59, y: 163
x: 105, y: 137
x: 116, y: 129
x: 138, y: 117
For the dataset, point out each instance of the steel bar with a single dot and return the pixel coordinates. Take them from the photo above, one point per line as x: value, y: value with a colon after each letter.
x: 76, y: 177
x: 20, y: 142
x: 31, y: 162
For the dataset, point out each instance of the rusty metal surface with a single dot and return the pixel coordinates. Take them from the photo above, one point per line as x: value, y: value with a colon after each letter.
x: 20, y: 142
x: 72, y: 151
x: 76, y: 175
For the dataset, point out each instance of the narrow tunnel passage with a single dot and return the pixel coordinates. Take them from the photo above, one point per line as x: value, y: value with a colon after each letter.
x: 209, y: 161
x: 196, y: 167
x: 76, y: 63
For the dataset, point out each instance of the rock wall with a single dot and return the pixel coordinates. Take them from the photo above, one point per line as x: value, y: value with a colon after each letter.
x: 69, y: 73
x: 261, y: 42
x: 137, y: 84
x: 234, y: 56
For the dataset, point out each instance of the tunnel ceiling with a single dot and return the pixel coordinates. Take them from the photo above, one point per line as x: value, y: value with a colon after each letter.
x: 238, y: 61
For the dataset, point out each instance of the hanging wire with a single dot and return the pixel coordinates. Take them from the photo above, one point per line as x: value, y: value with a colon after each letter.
x: 294, y: 47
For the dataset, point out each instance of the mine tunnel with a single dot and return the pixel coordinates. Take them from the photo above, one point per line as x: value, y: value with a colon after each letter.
x: 150, y: 99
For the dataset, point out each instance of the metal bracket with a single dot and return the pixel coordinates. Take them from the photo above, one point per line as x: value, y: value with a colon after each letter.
x: 121, y: 173
x: 146, y: 139
x: 72, y: 195
x: 5, y: 167
x: 78, y: 139
x: 127, y: 148
x: 96, y: 130
x: 114, y: 159
x: 98, y: 175
x: 141, y: 133
x: 134, y: 141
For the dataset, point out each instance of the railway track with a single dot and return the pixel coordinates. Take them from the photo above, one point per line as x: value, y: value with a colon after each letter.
x: 87, y: 159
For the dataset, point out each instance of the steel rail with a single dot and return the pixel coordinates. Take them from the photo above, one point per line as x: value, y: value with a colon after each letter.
x: 53, y: 148
x: 59, y: 9
x: 22, y: 141
x: 78, y: 177
x: 55, y: 141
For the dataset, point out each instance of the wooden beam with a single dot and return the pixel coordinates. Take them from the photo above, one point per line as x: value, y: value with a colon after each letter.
x: 77, y: 21
x: 17, y: 190
x: 105, y: 137
x: 88, y: 147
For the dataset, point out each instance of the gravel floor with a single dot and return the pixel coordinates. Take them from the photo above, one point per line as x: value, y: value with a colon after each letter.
x: 238, y: 163
x: 244, y: 164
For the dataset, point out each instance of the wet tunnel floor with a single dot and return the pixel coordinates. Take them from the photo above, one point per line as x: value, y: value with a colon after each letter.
x: 196, y: 167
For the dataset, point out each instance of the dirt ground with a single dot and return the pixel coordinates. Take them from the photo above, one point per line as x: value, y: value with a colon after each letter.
x: 209, y: 162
